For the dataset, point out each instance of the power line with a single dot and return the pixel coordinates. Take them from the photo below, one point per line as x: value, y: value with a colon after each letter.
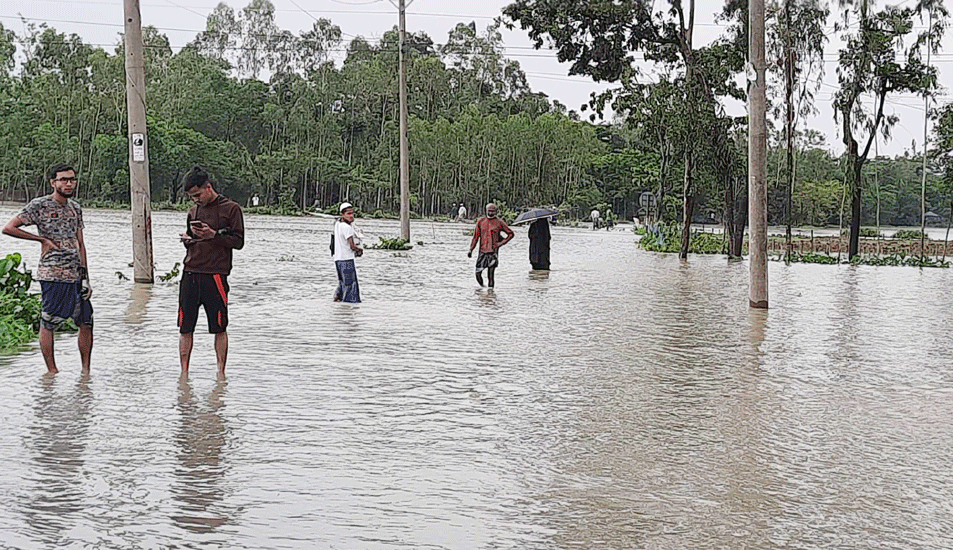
x: 186, y: 9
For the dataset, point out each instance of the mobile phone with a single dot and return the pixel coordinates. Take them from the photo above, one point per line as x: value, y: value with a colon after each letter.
x: 196, y: 223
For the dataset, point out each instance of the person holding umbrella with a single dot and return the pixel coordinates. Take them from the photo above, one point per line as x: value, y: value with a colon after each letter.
x: 539, y: 236
x: 487, y: 233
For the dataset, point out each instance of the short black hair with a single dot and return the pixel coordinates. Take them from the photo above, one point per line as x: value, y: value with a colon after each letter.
x: 197, y: 176
x: 57, y: 168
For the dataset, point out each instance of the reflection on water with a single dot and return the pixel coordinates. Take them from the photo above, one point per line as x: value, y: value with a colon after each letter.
x: 625, y: 400
x: 200, y: 443
x: 57, y: 444
x: 138, y: 302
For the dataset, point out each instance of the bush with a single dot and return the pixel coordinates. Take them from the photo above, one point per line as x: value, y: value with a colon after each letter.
x: 392, y: 244
x: 866, y: 232
x: 810, y: 258
x: 909, y: 235
x: 19, y: 310
x: 899, y: 259
x: 668, y: 238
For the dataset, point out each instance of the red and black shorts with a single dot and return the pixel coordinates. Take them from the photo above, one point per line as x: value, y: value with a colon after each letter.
x: 203, y: 289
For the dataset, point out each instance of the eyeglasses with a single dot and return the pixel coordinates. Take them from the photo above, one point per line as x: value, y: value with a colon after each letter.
x: 67, y: 180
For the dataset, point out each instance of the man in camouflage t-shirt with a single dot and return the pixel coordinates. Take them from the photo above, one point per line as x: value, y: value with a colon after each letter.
x: 62, y: 269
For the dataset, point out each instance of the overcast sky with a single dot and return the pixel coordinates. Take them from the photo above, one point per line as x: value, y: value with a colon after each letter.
x: 99, y: 22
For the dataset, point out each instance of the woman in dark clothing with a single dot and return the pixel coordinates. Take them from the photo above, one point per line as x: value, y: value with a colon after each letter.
x: 539, y: 244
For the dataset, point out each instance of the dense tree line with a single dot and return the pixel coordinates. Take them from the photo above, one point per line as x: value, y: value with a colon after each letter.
x: 272, y: 113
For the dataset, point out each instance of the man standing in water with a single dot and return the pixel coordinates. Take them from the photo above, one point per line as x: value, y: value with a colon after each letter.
x: 487, y: 232
x: 64, y: 279
x: 345, y: 250
x: 215, y: 228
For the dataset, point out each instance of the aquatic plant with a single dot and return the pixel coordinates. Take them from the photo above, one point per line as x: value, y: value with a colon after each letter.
x: 19, y: 310
x: 866, y: 232
x: 667, y: 238
x: 899, y: 259
x: 171, y: 274
x: 910, y: 235
x: 809, y: 258
x: 396, y: 243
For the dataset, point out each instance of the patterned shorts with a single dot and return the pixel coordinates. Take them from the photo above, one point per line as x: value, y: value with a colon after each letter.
x: 487, y: 260
x: 61, y: 301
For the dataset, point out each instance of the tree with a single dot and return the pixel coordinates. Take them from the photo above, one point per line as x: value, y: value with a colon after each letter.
x: 601, y: 39
x: 796, y: 44
x: 877, y: 60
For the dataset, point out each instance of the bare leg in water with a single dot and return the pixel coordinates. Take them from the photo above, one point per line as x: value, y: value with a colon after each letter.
x: 85, y: 342
x: 185, y: 351
x: 221, y: 351
x: 490, y: 276
x: 479, y: 277
x: 46, y: 346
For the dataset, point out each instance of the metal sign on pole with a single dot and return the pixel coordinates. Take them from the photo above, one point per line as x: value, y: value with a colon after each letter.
x: 757, y: 164
x: 138, y: 146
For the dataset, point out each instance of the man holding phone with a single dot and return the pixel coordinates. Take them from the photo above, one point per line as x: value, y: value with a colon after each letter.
x: 215, y: 228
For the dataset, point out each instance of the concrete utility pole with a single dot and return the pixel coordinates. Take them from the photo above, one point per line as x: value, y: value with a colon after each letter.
x: 926, y: 149
x: 138, y: 146
x: 404, y: 149
x: 757, y: 167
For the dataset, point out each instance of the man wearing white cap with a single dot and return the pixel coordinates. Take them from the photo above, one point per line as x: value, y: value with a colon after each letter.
x: 345, y: 250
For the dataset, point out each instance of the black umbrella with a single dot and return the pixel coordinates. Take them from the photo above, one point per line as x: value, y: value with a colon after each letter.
x: 535, y: 214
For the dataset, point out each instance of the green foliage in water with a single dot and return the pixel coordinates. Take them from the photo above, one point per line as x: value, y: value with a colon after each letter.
x: 809, y: 258
x: 866, y: 232
x: 392, y: 244
x: 19, y: 310
x: 669, y: 239
x: 910, y: 235
x: 899, y: 259
x: 171, y: 274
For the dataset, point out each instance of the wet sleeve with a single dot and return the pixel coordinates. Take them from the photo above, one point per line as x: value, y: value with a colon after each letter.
x: 476, y: 234
x: 235, y: 238
x: 188, y: 228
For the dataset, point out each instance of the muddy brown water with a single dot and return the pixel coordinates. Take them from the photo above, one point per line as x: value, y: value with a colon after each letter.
x: 624, y: 400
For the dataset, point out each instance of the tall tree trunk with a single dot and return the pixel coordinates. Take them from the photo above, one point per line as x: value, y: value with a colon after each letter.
x: 688, y: 207
x: 789, y: 126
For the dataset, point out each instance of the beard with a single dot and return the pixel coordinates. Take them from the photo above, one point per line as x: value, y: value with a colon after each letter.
x: 67, y: 194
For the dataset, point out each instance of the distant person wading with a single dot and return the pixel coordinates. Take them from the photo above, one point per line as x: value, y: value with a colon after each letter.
x: 345, y: 249
x: 487, y: 233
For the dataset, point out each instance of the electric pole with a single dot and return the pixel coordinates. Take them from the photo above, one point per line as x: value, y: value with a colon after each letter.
x: 404, y: 148
x: 926, y: 149
x: 138, y: 146
x: 757, y: 167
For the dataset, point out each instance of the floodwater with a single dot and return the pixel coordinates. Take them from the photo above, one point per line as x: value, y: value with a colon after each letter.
x: 624, y: 400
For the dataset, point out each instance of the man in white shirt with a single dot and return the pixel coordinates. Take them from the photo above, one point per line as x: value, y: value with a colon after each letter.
x: 595, y: 218
x: 346, y: 248
x: 462, y: 213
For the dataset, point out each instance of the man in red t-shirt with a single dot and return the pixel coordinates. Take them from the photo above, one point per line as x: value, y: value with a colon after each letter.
x: 487, y: 232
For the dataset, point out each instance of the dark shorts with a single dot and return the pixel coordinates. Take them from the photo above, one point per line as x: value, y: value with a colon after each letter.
x: 61, y: 301
x: 487, y: 260
x: 203, y: 289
